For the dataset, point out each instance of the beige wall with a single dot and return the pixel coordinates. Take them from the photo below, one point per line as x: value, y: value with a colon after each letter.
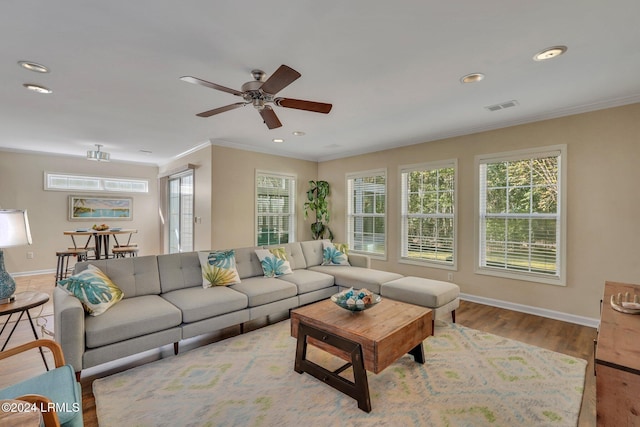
x: 22, y: 187
x: 603, y: 228
x: 233, y: 193
x: 602, y: 221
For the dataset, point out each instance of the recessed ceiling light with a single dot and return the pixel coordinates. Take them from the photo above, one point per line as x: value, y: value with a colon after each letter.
x: 37, y: 88
x: 278, y: 140
x: 472, y: 78
x: 298, y: 133
x: 550, y: 52
x: 33, y: 66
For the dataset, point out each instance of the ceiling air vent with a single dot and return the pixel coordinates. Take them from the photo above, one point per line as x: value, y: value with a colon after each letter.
x: 502, y: 105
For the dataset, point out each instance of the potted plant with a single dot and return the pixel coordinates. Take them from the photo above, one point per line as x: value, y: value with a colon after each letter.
x: 317, y: 203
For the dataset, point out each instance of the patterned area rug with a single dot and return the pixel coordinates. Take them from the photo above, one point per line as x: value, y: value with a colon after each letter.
x: 470, y: 378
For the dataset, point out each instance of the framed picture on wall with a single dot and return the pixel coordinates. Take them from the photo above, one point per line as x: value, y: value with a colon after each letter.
x: 92, y: 207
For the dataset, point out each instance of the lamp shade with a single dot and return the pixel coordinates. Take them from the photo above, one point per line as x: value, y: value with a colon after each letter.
x: 14, y: 228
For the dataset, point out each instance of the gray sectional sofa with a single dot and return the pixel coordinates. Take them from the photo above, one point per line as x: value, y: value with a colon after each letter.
x: 165, y: 302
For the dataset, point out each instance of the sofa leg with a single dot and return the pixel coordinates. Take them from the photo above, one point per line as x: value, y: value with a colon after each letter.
x: 433, y: 326
x: 175, y: 348
x: 453, y: 316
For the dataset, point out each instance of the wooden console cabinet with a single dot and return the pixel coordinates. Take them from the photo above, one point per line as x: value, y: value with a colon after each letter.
x: 617, y: 362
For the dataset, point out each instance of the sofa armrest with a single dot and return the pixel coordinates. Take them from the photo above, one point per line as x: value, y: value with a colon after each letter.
x: 69, y: 327
x: 360, y: 260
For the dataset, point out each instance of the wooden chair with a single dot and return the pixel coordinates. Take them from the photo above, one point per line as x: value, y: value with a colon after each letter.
x: 54, y: 389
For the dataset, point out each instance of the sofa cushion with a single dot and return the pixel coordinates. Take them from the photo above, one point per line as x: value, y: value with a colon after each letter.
x: 421, y: 291
x: 313, y: 252
x: 334, y: 254
x: 94, y: 289
x: 130, y: 318
x: 218, y: 268
x: 357, y: 277
x: 136, y: 276
x: 274, y: 262
x: 264, y: 290
x: 198, y: 303
x: 179, y: 271
x: 308, y: 281
x: 247, y: 262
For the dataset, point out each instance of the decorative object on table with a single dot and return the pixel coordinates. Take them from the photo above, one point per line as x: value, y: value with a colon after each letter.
x: 356, y: 300
x: 626, y: 303
x: 97, y: 155
x: 14, y: 231
x: 101, y: 227
x: 96, y: 208
x: 317, y: 203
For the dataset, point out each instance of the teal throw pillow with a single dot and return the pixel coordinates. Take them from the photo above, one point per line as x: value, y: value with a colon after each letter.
x: 274, y: 262
x: 335, y: 253
x: 94, y: 289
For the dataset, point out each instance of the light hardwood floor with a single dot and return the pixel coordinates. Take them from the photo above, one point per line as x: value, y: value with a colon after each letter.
x: 554, y: 335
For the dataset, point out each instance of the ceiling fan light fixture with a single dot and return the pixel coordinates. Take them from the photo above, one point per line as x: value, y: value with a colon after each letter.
x: 37, y: 88
x: 549, y: 53
x: 471, y: 78
x: 97, y: 155
x: 33, y: 66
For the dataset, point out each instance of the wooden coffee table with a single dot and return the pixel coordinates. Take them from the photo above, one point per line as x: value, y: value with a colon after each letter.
x: 370, y: 340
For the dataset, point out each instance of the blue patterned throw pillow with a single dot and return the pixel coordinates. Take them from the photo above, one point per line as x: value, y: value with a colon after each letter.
x: 335, y: 253
x: 274, y: 262
x: 94, y: 289
x: 218, y: 268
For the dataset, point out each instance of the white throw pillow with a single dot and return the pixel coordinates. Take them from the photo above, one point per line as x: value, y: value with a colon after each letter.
x: 218, y: 268
x: 274, y: 262
x: 335, y: 253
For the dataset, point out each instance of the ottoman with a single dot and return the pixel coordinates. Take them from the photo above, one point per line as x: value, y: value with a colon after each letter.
x: 442, y: 297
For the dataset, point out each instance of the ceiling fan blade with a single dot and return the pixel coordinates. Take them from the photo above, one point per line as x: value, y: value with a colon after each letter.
x: 221, y: 109
x: 201, y: 82
x: 282, y: 78
x: 299, y: 104
x: 270, y: 118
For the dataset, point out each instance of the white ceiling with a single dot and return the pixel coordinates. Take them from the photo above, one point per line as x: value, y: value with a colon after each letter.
x: 390, y: 69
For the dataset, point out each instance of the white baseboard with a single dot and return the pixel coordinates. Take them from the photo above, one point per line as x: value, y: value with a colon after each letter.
x: 543, y: 312
x: 32, y: 273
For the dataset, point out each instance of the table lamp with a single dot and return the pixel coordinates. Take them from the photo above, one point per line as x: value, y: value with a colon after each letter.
x: 14, y: 231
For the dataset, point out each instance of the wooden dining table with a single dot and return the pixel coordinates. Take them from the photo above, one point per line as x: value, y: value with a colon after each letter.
x: 101, y: 238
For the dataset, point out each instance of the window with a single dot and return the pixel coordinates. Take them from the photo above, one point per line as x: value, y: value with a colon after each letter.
x: 275, y: 206
x: 521, y: 215
x: 428, y: 213
x: 65, y: 182
x: 180, y: 209
x: 366, y: 212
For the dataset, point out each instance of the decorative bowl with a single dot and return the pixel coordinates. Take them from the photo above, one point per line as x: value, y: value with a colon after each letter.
x: 356, y: 300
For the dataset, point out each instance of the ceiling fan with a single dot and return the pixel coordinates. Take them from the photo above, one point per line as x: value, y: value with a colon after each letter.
x: 260, y: 92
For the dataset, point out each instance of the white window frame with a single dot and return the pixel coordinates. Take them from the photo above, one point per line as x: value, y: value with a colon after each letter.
x: 292, y: 205
x: 54, y: 181
x: 559, y: 278
x: 404, y: 215
x: 351, y: 216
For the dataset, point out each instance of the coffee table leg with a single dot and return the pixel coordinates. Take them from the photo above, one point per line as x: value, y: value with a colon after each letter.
x: 418, y: 353
x: 359, y: 388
